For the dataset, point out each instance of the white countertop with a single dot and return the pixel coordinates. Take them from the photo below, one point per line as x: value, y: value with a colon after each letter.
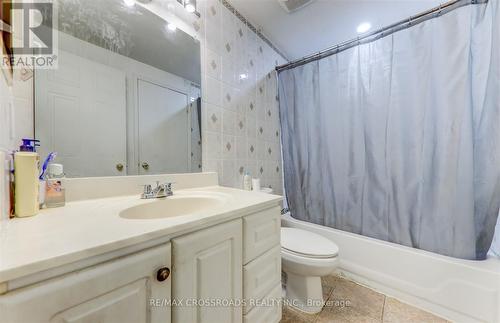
x: 87, y: 228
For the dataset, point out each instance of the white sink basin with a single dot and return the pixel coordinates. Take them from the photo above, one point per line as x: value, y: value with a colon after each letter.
x: 173, y: 206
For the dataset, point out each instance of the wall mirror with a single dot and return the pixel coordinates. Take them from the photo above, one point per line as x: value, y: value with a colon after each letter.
x: 124, y: 99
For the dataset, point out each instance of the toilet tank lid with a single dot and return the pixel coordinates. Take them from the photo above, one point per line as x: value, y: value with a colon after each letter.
x: 308, y: 243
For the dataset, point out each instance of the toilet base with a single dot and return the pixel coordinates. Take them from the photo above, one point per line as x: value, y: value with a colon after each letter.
x: 304, y: 293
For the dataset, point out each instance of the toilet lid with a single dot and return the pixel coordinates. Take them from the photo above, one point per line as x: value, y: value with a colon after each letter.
x: 308, y: 243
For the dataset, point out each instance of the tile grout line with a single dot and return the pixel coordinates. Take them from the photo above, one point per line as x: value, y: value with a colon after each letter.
x: 383, y: 309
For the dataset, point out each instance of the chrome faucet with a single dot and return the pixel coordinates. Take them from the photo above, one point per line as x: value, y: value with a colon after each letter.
x: 161, y: 190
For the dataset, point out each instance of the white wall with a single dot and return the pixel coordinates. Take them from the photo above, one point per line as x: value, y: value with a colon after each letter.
x: 16, y: 122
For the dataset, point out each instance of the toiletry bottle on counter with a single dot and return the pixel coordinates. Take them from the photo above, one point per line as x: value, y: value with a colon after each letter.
x: 43, y: 176
x: 247, y: 182
x: 256, y: 184
x: 55, y: 196
x: 26, y: 171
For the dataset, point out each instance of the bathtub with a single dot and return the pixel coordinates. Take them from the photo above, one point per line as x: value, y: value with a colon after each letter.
x: 458, y: 290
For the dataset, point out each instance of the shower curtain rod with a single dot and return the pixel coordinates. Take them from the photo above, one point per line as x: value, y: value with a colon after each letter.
x: 380, y: 33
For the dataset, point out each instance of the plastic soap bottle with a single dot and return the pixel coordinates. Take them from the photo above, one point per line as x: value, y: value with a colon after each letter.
x: 55, y: 196
x: 26, y: 171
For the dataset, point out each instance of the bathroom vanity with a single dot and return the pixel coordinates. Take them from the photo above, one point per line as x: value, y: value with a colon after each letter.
x: 206, y: 254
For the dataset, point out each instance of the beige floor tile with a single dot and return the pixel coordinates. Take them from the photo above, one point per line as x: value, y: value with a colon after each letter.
x: 397, y: 312
x: 348, y: 302
x: 291, y: 315
x: 344, y: 317
x: 330, y: 280
x: 349, y: 299
x: 327, y: 292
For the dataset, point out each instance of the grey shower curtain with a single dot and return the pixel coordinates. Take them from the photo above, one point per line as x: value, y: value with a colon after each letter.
x: 399, y: 139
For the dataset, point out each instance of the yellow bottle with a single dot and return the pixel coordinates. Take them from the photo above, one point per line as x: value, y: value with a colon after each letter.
x: 26, y: 171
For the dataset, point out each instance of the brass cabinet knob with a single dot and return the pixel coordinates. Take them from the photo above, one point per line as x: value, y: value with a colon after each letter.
x: 119, y: 167
x: 162, y: 274
x: 145, y: 165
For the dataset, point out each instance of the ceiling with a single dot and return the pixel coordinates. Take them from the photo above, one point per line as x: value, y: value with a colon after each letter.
x: 324, y: 23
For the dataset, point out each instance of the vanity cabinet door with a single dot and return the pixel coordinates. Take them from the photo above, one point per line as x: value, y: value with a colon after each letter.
x: 207, y: 268
x: 120, y: 291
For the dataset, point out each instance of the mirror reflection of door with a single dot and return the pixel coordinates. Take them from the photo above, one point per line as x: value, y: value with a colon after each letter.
x: 81, y: 114
x: 164, y: 129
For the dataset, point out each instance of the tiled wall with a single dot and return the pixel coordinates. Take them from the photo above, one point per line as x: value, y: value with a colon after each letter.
x: 240, y: 108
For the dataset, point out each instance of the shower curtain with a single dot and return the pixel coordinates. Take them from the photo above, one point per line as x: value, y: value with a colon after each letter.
x: 399, y: 139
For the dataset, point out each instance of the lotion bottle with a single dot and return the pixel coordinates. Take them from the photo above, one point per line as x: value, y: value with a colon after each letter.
x: 26, y: 171
x: 55, y: 195
x: 247, y: 182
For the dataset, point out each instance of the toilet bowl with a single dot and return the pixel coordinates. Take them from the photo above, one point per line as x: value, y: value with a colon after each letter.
x: 305, y: 258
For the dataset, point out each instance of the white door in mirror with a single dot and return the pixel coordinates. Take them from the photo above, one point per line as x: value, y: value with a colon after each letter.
x: 81, y: 114
x: 164, y: 130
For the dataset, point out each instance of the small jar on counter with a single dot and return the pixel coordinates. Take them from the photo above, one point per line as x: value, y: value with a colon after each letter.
x: 55, y: 195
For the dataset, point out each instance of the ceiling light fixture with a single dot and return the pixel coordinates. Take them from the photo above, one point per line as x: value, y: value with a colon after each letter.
x: 129, y: 3
x: 243, y: 76
x: 171, y: 27
x: 364, y: 27
x: 190, y: 8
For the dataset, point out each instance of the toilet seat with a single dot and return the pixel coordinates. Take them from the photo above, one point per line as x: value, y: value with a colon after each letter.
x: 308, y: 265
x: 307, y: 244
x: 305, y: 258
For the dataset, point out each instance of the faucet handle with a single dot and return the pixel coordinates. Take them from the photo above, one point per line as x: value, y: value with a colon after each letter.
x: 147, y: 188
x: 168, y: 188
x: 147, y: 191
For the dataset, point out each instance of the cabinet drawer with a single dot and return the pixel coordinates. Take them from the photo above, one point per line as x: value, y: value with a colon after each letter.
x: 260, y: 276
x: 261, y: 232
x: 269, y: 311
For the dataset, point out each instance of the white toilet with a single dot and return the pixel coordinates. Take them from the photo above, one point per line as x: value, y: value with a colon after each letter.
x: 305, y: 258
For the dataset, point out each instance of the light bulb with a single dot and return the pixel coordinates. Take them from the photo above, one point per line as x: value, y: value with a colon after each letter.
x: 190, y: 8
x: 171, y: 27
x: 129, y: 3
x: 364, y: 27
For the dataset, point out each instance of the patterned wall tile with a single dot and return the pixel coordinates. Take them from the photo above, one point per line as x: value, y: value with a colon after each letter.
x: 212, y: 91
x: 228, y: 147
x: 212, y: 146
x: 251, y: 127
x: 241, y: 125
x: 251, y: 148
x: 241, y: 91
x: 229, y: 97
x: 241, y: 147
x: 213, y: 64
x: 228, y: 122
x: 229, y: 172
